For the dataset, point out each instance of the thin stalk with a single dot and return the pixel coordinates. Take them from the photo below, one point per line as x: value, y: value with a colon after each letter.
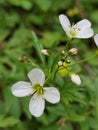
x: 83, y: 60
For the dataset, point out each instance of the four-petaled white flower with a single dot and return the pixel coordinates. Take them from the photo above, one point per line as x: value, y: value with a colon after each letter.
x: 96, y: 39
x: 81, y: 29
x: 35, y: 88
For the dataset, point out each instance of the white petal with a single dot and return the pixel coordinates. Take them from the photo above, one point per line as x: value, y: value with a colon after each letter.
x: 76, y: 79
x: 36, y: 76
x: 68, y: 33
x: 37, y: 105
x: 64, y: 22
x: 85, y: 33
x: 83, y: 24
x: 52, y: 95
x: 96, y: 39
x: 21, y: 89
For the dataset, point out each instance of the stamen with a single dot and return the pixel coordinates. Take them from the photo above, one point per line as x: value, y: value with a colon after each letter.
x: 38, y: 89
x: 74, y: 30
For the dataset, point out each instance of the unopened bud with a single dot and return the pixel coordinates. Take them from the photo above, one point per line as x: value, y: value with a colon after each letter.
x: 44, y: 52
x: 25, y: 57
x: 73, y: 51
x: 76, y: 79
x: 21, y: 59
x: 63, y: 52
x: 62, y: 71
x: 60, y: 63
x: 68, y: 61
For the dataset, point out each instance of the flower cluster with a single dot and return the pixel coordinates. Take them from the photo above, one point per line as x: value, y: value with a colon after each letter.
x: 81, y: 29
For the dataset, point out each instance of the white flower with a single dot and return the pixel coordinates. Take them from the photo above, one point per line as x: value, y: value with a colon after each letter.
x: 81, y: 29
x: 76, y: 79
x: 35, y: 88
x: 96, y: 39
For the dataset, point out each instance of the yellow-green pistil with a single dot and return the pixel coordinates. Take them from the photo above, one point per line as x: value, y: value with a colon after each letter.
x: 73, y: 32
x: 38, y: 89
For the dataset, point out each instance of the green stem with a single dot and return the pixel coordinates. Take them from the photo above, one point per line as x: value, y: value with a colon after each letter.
x: 68, y: 42
x: 50, y: 75
x: 35, y: 65
x: 83, y: 60
x: 66, y: 46
x: 31, y: 63
x: 48, y: 78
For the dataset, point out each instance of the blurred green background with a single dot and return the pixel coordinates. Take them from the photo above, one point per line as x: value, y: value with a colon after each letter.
x: 78, y: 109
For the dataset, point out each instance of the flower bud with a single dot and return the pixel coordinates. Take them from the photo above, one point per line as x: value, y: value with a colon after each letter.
x: 73, y: 51
x: 60, y: 63
x: 21, y: 59
x: 68, y: 61
x: 76, y: 79
x: 62, y: 71
x: 25, y: 57
x: 45, y: 52
x: 63, y: 52
x: 62, y: 68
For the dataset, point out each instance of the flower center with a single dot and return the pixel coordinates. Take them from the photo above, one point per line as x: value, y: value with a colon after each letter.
x: 74, y: 31
x: 38, y: 89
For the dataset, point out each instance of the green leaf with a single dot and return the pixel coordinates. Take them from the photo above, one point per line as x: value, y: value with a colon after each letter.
x: 52, y: 39
x: 77, y: 117
x: 26, y: 4
x: 44, y: 5
x: 93, y: 16
x: 61, y: 4
x: 7, y: 121
x: 25, y: 106
x: 3, y: 34
x: 8, y: 104
x: 38, y: 46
